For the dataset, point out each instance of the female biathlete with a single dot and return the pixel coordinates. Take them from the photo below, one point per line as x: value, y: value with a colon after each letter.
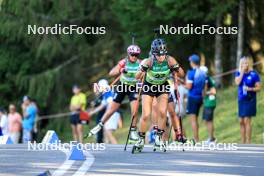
x: 128, y: 68
x: 157, y: 69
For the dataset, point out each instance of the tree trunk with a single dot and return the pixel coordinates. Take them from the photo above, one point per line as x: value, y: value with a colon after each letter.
x: 240, y: 38
x: 218, y: 53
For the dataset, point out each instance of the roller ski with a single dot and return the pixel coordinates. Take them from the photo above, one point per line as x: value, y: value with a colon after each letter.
x: 159, y: 144
x: 133, y: 137
x: 210, y: 141
x: 180, y: 139
x: 138, y: 147
x: 95, y: 130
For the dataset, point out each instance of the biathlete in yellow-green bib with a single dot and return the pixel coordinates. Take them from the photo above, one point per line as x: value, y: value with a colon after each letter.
x: 157, y: 69
x: 128, y: 68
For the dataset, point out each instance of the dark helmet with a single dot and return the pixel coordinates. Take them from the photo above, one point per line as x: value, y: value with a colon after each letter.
x: 158, y: 46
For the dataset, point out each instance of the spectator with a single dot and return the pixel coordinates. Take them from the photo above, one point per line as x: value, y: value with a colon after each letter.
x: 35, y: 129
x: 3, y: 122
x: 209, y: 105
x: 111, y: 125
x: 195, y: 84
x: 95, y: 103
x: 183, y: 93
x: 100, y: 96
x: 107, y: 98
x: 248, y: 82
x: 78, y: 103
x: 29, y: 115
x: 14, y: 123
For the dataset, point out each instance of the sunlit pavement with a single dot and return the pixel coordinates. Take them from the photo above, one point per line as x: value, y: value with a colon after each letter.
x: 247, y: 160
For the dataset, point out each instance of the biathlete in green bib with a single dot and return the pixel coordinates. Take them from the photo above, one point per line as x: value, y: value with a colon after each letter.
x: 157, y: 69
x: 128, y: 68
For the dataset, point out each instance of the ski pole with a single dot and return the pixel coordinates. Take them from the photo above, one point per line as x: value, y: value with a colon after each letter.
x: 133, y: 36
x: 136, y: 110
x: 157, y: 32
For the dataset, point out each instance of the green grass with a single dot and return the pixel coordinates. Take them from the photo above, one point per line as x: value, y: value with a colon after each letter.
x: 226, y: 122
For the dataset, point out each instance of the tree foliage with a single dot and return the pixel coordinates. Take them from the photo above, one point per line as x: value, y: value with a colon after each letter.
x: 46, y: 66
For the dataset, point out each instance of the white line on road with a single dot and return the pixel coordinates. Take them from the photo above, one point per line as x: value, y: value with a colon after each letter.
x: 86, y: 164
x: 65, y: 166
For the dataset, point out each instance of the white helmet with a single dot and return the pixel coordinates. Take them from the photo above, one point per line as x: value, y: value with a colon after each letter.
x: 133, y: 49
x: 103, y: 83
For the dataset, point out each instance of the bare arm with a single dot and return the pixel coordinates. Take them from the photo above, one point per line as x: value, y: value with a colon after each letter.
x: 188, y: 86
x: 172, y: 63
x: 97, y: 109
x: 213, y: 91
x: 239, y: 79
x: 257, y: 87
x: 205, y: 89
x: 115, y: 71
x: 144, y: 63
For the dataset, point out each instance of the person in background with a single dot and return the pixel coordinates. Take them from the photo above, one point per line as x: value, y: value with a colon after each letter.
x: 78, y: 103
x: 196, y: 79
x: 29, y: 115
x: 209, y: 105
x: 35, y: 129
x: 95, y: 103
x: 14, y: 123
x: 183, y: 92
x: 3, y: 122
x: 248, y: 82
x: 111, y: 125
x: 106, y: 99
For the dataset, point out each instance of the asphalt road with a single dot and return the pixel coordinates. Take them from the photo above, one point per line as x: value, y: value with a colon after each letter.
x: 246, y: 160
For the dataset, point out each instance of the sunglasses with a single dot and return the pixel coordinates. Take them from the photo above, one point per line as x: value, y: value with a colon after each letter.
x: 134, y: 55
x: 160, y: 54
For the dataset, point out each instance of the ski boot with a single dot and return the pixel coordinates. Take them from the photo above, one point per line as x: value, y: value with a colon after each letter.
x: 181, y: 138
x: 133, y: 137
x: 138, y: 147
x: 210, y: 141
x: 159, y: 144
x: 95, y: 130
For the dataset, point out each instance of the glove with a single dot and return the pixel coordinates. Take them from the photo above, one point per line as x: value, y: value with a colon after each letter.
x: 122, y: 63
x: 144, y: 68
x: 123, y: 70
x: 175, y: 68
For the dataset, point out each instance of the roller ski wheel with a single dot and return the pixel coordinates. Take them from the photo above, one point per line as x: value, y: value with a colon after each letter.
x: 136, y: 149
x: 155, y: 147
x: 158, y: 147
x: 164, y: 147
